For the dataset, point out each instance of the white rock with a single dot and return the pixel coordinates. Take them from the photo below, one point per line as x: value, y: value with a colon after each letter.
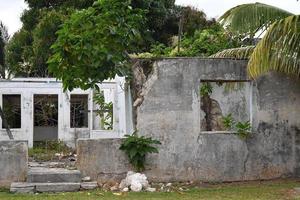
x: 126, y: 189
x: 149, y: 189
x: 169, y: 185
x: 136, y: 181
x: 136, y: 186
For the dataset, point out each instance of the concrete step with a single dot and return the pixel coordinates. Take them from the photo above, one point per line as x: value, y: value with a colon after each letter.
x: 53, y: 175
x: 43, y: 187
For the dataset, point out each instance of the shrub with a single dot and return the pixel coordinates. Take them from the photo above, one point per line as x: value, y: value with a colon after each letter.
x: 136, y: 149
x: 228, y: 121
x: 243, y: 129
x: 205, y: 89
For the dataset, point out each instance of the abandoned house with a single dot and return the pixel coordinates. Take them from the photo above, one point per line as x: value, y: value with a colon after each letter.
x: 37, y: 109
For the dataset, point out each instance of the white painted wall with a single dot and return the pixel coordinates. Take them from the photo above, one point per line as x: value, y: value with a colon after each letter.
x: 28, y: 87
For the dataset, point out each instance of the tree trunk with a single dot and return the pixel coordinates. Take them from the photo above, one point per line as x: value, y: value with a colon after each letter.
x: 4, y: 121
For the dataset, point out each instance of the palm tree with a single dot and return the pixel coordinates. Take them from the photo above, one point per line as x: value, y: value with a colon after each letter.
x: 278, y: 50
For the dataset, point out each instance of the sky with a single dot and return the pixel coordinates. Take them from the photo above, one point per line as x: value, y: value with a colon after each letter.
x: 11, y: 10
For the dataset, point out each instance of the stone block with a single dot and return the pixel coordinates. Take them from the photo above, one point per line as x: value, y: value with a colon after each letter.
x: 21, y: 187
x: 53, y: 175
x: 57, y: 187
x: 13, y: 162
x: 89, y: 185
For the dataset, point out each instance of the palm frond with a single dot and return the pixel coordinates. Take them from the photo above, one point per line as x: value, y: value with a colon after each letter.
x: 249, y: 18
x: 235, y: 53
x: 279, y: 50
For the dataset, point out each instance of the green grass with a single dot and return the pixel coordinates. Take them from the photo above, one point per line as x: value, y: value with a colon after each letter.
x: 272, y: 190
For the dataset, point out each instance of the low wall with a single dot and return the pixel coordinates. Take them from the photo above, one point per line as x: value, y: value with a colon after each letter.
x: 13, y: 162
x: 100, y: 158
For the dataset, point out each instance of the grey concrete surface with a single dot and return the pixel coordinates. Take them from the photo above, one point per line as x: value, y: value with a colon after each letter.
x: 13, y: 162
x: 53, y: 175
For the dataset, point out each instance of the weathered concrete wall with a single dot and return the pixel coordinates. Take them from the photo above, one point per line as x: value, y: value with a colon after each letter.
x: 98, y: 158
x: 170, y: 112
x: 13, y: 162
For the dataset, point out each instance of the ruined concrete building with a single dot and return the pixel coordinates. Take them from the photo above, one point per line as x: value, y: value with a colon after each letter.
x: 171, y: 110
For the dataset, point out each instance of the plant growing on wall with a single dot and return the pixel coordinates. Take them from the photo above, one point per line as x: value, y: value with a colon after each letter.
x: 206, y: 89
x: 243, y: 129
x: 228, y: 121
x: 137, y: 147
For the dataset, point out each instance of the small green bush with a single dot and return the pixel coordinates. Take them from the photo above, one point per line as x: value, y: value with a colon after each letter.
x: 136, y: 149
x: 228, y: 121
x: 243, y: 129
x: 206, y: 89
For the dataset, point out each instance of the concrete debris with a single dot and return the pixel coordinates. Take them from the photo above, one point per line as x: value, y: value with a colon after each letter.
x: 135, y: 181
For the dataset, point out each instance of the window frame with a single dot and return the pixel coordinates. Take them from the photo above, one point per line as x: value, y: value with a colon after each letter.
x: 21, y: 110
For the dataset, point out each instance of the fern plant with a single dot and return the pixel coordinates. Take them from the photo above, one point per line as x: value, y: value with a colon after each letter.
x: 206, y: 89
x: 228, y: 121
x: 137, y: 147
x: 243, y: 129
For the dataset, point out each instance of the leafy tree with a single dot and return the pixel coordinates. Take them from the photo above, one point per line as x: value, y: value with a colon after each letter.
x: 279, y: 48
x: 202, y: 43
x: 3, y: 40
x: 193, y: 20
x: 29, y: 49
x: 43, y: 37
x: 17, y: 52
x: 93, y: 44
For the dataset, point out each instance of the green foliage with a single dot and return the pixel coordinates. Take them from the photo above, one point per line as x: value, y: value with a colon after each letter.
x: 207, y: 42
x: 29, y: 49
x: 3, y: 41
x: 228, y: 121
x: 247, y: 19
x: 243, y: 129
x: 43, y: 37
x: 279, y: 49
x: 93, y: 44
x: 79, y: 4
x: 17, y: 53
x: 105, y: 110
x: 202, y: 43
x: 193, y: 20
x: 206, y: 89
x: 137, y: 148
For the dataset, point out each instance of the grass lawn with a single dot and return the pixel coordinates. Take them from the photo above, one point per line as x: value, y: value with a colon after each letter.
x: 272, y: 190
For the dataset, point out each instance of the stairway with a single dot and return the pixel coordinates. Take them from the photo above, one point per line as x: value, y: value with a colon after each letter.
x: 45, y: 179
